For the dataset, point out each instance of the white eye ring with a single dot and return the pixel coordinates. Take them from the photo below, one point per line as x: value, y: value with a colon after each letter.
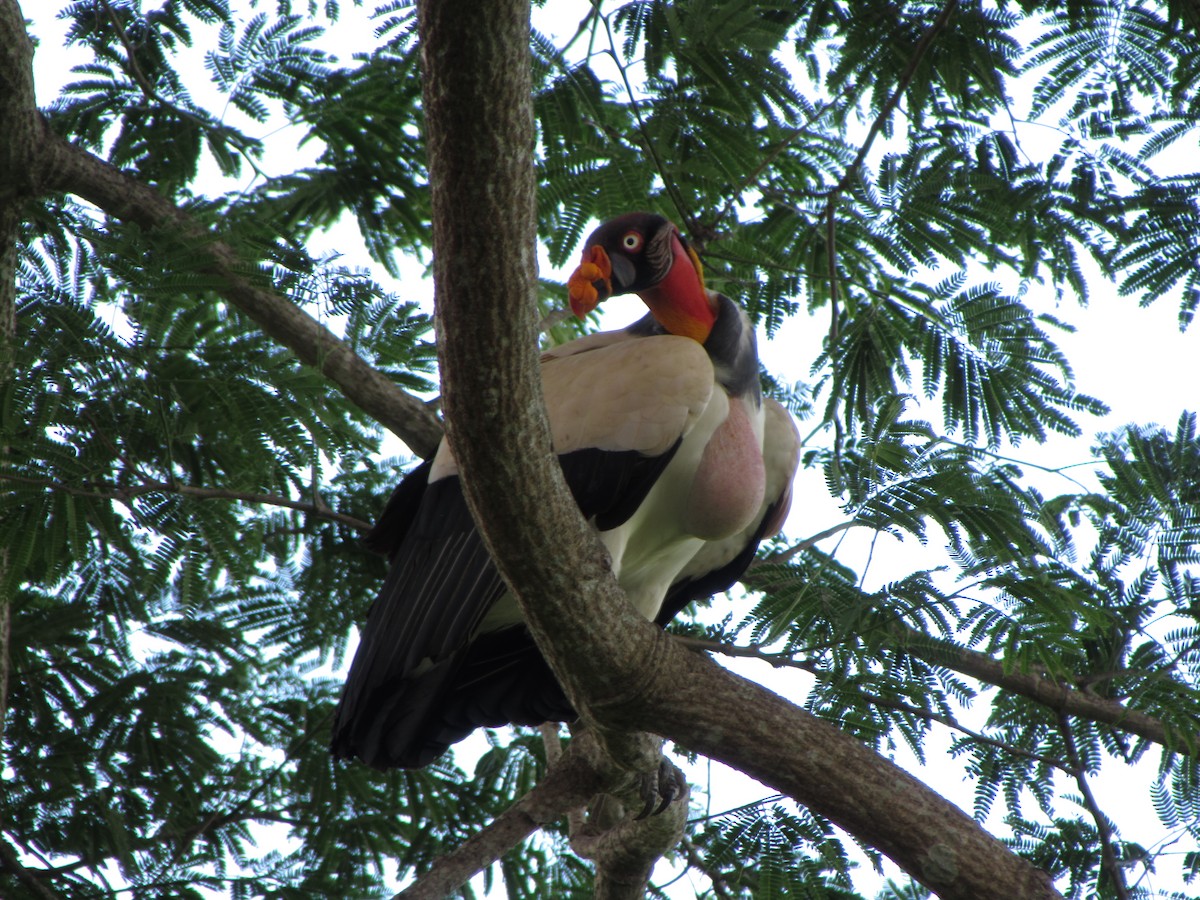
x: 632, y: 241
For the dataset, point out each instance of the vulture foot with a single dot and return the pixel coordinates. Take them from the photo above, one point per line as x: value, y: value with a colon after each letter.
x: 662, y: 788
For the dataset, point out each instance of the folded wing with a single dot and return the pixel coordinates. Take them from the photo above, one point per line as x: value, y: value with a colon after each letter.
x: 444, y: 650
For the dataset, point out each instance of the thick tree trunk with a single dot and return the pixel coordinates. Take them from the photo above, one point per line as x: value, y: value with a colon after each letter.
x: 18, y: 124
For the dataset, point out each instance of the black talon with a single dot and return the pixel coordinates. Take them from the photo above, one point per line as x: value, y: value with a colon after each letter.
x: 667, y: 784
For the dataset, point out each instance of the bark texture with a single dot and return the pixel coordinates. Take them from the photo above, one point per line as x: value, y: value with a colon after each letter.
x: 480, y: 135
x: 17, y: 151
x: 577, y: 776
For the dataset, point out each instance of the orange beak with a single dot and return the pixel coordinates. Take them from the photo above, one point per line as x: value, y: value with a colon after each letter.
x: 591, y: 283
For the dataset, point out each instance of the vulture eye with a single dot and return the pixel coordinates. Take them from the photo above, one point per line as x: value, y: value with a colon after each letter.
x: 632, y: 241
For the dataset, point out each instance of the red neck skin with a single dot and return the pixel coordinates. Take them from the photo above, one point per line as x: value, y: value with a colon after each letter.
x: 680, y: 302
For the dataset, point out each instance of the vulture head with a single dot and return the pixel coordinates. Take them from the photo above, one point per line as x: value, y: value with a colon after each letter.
x: 644, y: 254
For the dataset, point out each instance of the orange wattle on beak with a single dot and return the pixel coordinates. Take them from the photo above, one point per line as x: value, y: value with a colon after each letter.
x: 591, y: 282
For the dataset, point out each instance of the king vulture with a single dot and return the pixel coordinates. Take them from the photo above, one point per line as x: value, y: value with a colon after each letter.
x: 669, y: 450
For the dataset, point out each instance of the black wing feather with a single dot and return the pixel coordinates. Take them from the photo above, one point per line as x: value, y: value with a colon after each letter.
x: 413, y: 638
x: 423, y: 678
x: 398, y: 515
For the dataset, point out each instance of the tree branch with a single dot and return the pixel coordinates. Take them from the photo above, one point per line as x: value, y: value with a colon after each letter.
x: 126, y: 495
x: 62, y: 166
x: 10, y: 220
x: 1037, y: 686
x: 791, y: 552
x: 788, y: 660
x: 16, y: 122
x: 1041, y: 687
x: 689, y: 223
x: 152, y: 95
x: 35, y: 161
x: 719, y: 882
x: 11, y: 862
x: 554, y: 751
x: 484, y: 204
x: 17, y: 110
x: 625, y: 850
x: 578, y: 775
x: 1109, y: 863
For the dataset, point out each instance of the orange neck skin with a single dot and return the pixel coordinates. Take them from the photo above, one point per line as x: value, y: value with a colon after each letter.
x: 680, y: 302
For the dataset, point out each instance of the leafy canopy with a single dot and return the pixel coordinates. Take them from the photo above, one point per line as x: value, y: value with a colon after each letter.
x: 182, y: 500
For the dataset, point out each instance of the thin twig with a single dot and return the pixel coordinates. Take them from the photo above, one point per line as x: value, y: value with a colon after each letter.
x: 754, y: 804
x: 10, y: 862
x: 1108, y: 853
x: 126, y: 494
x: 242, y: 811
x: 779, y: 660
x: 138, y: 75
x: 696, y: 860
x: 689, y: 222
x: 151, y: 94
x: 831, y: 265
x: 1061, y: 471
x: 752, y: 179
x: 954, y: 725
x: 791, y: 552
x: 906, y: 78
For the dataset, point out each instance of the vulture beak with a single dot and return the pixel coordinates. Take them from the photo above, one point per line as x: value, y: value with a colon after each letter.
x: 591, y: 283
x: 644, y: 254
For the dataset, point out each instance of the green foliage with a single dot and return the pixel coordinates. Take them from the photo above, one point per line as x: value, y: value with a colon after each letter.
x: 759, y: 851
x: 182, y: 500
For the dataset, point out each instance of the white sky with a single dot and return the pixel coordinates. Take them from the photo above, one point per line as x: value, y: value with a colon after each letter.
x: 1134, y: 359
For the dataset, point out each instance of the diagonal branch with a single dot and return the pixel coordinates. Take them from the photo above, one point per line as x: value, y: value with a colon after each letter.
x: 717, y: 879
x: 1109, y: 863
x: 578, y: 775
x: 795, y: 550
x: 10, y: 862
x: 126, y: 494
x: 62, y: 166
x: 34, y: 161
x: 1039, y: 686
x: 1036, y: 685
x: 669, y: 185
x: 788, y: 660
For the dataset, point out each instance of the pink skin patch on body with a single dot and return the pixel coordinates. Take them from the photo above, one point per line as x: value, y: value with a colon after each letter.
x: 727, y: 490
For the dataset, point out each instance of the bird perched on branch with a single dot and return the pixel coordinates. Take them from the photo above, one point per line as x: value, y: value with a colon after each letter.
x: 671, y: 453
